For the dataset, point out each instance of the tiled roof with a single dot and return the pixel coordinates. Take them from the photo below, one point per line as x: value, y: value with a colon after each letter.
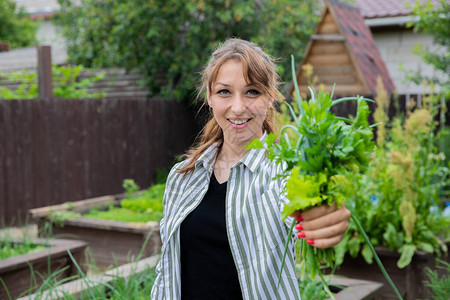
x: 359, y: 40
x: 387, y: 8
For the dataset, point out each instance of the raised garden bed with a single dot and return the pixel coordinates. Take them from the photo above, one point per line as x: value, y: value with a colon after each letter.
x: 409, y: 280
x: 17, y: 272
x: 344, y: 288
x: 78, y: 288
x: 110, y: 242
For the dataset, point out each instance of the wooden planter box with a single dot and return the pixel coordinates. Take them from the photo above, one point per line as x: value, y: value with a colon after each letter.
x: 111, y: 243
x: 16, y: 271
x: 409, y: 280
x: 353, y: 289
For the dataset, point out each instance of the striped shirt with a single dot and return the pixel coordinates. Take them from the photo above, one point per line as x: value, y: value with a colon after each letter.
x: 256, y: 233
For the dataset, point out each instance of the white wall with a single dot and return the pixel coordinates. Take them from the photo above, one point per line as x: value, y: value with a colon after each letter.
x: 396, y: 48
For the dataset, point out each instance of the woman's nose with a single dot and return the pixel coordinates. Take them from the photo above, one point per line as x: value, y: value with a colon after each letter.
x: 238, y: 105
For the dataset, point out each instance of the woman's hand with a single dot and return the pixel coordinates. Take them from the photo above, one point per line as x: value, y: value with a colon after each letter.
x: 322, y: 226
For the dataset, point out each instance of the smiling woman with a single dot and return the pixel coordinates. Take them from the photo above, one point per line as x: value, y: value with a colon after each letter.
x: 239, y: 108
x: 222, y: 232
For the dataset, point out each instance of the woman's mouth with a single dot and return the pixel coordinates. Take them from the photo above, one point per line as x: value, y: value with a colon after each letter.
x: 239, y: 123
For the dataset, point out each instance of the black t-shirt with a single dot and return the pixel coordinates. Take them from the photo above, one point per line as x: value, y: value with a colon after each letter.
x: 207, y: 266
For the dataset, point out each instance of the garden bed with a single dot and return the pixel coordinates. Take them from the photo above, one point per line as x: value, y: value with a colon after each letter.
x: 344, y: 288
x: 409, y: 280
x: 17, y: 272
x: 85, y: 286
x: 110, y: 242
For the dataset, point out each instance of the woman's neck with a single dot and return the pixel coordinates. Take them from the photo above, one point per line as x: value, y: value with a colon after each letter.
x: 228, y: 155
x: 231, y: 153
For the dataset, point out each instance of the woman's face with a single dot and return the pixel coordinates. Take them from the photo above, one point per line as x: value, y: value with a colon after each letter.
x: 239, y: 107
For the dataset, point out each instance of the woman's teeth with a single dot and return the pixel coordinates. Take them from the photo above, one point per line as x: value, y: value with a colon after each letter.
x: 239, y: 122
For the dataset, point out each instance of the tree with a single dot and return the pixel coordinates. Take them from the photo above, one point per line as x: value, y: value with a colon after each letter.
x: 15, y: 27
x: 434, y: 20
x: 170, y: 41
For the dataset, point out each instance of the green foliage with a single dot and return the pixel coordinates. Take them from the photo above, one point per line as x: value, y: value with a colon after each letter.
x: 440, y: 287
x: 10, y: 248
x: 15, y: 26
x: 312, y: 289
x: 142, y: 206
x: 136, y: 286
x: 66, y: 84
x: 137, y: 206
x: 434, y: 20
x: 399, y: 201
x: 58, y: 218
x: 170, y: 41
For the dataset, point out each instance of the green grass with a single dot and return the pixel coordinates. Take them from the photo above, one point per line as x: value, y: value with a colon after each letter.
x: 140, y: 207
x: 10, y: 248
x: 124, y: 215
x: 136, y: 207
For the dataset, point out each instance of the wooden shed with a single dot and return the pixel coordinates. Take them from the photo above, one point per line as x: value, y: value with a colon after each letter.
x: 342, y: 51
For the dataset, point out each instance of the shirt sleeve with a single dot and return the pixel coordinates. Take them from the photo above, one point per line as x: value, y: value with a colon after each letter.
x: 158, y: 287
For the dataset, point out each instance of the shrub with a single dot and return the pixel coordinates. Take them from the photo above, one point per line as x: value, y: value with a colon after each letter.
x: 66, y: 84
x: 15, y: 27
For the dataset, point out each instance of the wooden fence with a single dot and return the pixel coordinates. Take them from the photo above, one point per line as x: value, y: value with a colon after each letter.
x: 53, y: 151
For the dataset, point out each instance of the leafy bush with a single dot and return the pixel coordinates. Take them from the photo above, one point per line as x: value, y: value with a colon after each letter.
x: 170, y: 41
x: 400, y: 199
x: 15, y: 26
x: 66, y: 84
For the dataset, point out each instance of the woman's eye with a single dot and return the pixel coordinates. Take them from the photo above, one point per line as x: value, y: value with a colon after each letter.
x: 223, y: 92
x: 253, y: 92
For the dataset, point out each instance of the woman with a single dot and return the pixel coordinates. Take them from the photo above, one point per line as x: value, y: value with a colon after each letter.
x: 222, y: 231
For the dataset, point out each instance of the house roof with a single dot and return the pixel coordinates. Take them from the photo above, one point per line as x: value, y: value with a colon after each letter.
x: 359, y: 40
x: 387, y: 8
x: 342, y: 51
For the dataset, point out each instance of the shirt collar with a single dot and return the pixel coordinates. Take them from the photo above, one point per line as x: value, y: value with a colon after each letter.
x: 252, y: 159
x: 208, y: 158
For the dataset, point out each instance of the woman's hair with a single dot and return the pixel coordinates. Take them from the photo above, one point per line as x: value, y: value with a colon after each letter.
x: 259, y: 69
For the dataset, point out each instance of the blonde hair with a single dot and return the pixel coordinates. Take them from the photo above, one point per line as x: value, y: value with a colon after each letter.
x: 259, y: 69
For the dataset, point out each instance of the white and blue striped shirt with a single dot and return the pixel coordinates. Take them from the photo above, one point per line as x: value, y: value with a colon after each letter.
x: 255, y: 230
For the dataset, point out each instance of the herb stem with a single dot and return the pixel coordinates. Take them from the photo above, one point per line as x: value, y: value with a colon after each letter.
x: 286, y: 245
x: 377, y: 259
